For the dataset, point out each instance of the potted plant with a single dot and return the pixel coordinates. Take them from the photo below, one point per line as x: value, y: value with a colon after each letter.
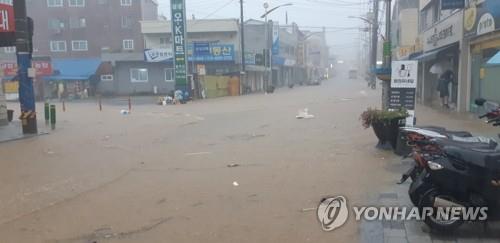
x: 385, y: 124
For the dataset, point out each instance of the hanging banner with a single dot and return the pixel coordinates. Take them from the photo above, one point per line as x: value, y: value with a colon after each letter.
x: 276, y: 39
x: 43, y: 68
x: 403, y: 88
x: 158, y: 55
x: 7, y: 21
x: 178, y: 10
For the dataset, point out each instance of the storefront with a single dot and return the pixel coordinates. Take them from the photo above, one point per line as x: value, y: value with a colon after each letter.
x: 70, y: 78
x: 441, y: 52
x: 43, y: 67
x: 482, y: 31
x: 152, y: 72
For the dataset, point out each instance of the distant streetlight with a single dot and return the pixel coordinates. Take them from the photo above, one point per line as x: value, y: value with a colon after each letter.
x: 266, y: 5
x: 267, y: 12
x: 362, y: 18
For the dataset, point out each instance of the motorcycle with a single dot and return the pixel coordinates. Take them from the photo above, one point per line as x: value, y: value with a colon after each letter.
x: 451, y: 173
x: 423, y: 150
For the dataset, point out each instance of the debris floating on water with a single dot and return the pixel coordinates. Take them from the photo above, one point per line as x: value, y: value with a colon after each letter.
x: 304, y: 114
x: 235, y: 183
x: 232, y: 165
x: 308, y: 209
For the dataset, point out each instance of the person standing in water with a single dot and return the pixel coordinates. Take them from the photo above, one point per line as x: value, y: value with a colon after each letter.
x: 444, y: 87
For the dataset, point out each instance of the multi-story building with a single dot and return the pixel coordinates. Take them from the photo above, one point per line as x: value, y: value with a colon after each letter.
x: 72, y: 34
x: 85, y: 28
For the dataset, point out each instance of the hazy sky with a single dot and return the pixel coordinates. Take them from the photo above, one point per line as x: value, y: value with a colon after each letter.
x: 332, y: 14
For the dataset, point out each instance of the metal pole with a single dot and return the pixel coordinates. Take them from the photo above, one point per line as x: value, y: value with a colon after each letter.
x: 387, y: 54
x: 24, y: 51
x: 270, y: 48
x: 242, y: 23
x: 265, y: 52
x: 374, y: 42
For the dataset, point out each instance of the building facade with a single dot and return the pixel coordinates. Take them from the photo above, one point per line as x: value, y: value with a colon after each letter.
x: 213, y: 57
x: 482, y: 43
x: 255, y: 55
x: 70, y: 36
x: 439, y: 46
x: 85, y: 28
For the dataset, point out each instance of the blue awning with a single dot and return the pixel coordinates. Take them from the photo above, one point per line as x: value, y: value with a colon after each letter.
x: 495, y: 60
x: 434, y: 53
x: 73, y: 69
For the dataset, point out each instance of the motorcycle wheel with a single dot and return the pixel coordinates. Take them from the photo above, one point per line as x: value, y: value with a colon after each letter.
x: 446, y: 226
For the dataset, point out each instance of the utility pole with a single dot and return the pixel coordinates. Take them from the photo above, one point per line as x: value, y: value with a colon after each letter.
x: 24, y: 50
x: 387, y: 54
x: 373, y: 59
x: 242, y: 28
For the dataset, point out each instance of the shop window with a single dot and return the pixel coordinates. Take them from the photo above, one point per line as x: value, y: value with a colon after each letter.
x: 139, y: 75
x: 169, y: 74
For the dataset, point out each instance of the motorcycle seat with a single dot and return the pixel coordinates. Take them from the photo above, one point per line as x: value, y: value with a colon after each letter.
x: 488, y: 158
x: 469, y: 143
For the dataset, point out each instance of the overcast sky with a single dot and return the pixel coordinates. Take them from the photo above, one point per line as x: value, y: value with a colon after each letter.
x: 332, y: 14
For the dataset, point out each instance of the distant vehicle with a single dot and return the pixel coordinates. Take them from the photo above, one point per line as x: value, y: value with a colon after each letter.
x: 353, y: 74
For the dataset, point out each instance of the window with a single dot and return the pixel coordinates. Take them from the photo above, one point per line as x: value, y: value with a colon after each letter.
x: 163, y: 40
x: 57, y: 46
x: 54, y: 3
x: 76, y: 23
x: 107, y: 77
x: 126, y: 2
x: 102, y: 2
x: 79, y: 45
x: 128, y: 44
x: 138, y: 75
x: 77, y: 3
x: 126, y: 22
x: 169, y: 74
x: 56, y: 24
x: 9, y: 49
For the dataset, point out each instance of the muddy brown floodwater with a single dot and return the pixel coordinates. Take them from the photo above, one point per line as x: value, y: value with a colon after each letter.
x: 161, y: 174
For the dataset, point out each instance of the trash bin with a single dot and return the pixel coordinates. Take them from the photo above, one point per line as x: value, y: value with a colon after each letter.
x: 402, y: 147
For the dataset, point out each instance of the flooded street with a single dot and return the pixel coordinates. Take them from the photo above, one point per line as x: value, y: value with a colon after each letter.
x: 240, y: 169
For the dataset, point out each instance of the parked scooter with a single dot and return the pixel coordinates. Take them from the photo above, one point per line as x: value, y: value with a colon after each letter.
x: 450, y: 173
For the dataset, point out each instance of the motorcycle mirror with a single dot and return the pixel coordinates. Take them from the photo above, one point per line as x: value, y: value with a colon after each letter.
x: 480, y: 101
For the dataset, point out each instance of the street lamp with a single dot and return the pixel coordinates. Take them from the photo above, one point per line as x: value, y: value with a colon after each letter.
x: 374, y: 42
x: 266, y: 13
x: 362, y: 18
x: 266, y: 5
